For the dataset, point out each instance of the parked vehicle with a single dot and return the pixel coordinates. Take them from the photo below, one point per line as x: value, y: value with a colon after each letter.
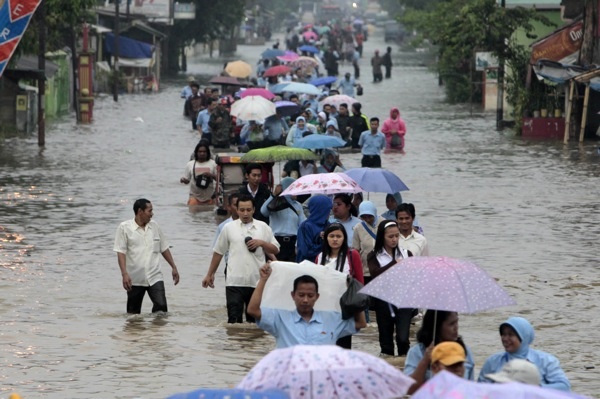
x: 393, y: 31
x: 230, y: 176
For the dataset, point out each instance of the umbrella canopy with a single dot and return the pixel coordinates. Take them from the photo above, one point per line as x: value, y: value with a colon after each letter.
x: 301, y: 88
x: 271, y: 53
x: 258, y: 91
x: 252, y: 108
x: 319, y: 142
x: 304, y: 63
x: 225, y: 80
x: 277, y: 70
x: 231, y: 394
x: 447, y: 385
x: 322, y: 29
x: 324, y: 80
x: 327, y: 371
x: 377, y: 180
x: 287, y: 108
x: 308, y: 48
x: 278, y: 88
x: 438, y: 283
x: 337, y: 100
x: 310, y: 35
x: 238, y: 69
x: 323, y: 183
x: 288, y: 56
x: 278, y: 153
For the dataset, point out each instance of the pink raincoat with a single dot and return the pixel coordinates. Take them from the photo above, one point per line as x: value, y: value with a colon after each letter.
x: 391, y: 126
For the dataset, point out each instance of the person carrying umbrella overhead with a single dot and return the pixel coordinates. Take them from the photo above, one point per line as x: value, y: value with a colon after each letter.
x: 303, y: 325
x: 418, y: 359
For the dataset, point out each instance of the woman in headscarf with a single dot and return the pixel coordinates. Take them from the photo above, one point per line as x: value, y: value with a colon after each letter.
x: 516, y: 335
x: 298, y: 130
x: 394, y: 129
x: 310, y: 242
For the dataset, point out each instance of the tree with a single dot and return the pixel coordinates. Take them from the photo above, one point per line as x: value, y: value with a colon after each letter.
x: 461, y: 27
x: 214, y: 20
x: 63, y: 23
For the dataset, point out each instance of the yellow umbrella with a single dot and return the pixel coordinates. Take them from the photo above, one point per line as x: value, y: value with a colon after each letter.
x: 238, y: 69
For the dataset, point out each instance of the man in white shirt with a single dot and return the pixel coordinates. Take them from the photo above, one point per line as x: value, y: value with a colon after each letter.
x: 249, y: 242
x: 409, y: 238
x: 138, y: 243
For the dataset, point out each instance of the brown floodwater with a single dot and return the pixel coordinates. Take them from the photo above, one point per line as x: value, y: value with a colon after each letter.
x: 526, y: 211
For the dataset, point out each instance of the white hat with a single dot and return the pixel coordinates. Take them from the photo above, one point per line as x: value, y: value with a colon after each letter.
x: 517, y: 370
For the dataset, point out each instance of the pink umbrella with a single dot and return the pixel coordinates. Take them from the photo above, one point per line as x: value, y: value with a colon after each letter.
x: 257, y: 91
x: 326, y: 371
x: 438, y: 283
x: 277, y: 70
x: 310, y: 35
x: 288, y: 56
x: 323, y: 183
x: 447, y: 385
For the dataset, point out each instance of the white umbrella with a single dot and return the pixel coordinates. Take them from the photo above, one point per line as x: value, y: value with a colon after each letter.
x: 253, y: 108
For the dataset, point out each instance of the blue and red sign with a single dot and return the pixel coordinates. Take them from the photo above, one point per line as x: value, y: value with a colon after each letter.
x: 14, y: 19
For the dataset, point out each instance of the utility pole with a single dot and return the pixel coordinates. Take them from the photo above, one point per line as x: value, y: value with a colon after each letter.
x: 116, y: 54
x: 41, y: 14
x: 500, y: 100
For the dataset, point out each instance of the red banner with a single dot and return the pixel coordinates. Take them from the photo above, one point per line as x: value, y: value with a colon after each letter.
x: 559, y: 44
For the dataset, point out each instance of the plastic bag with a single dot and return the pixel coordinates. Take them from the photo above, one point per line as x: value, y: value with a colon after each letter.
x: 396, y: 140
x: 351, y: 301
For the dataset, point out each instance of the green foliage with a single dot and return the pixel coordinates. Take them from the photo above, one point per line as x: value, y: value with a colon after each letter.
x: 462, y: 27
x: 517, y: 94
x: 214, y: 20
x: 63, y: 19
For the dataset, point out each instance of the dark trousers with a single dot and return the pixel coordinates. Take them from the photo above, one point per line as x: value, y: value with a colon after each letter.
x: 345, y: 342
x: 207, y: 137
x: 377, y: 77
x: 238, y: 298
x: 371, y: 161
x: 287, y: 248
x: 156, y: 293
x: 388, y: 71
x: 355, y: 142
x: 387, y: 324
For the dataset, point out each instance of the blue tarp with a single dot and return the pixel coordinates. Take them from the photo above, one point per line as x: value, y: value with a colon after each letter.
x: 128, y: 48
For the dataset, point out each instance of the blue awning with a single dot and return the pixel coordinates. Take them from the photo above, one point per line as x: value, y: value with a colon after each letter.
x: 128, y: 48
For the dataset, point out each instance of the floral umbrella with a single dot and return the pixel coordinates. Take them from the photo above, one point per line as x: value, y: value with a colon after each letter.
x: 288, y: 56
x: 304, y: 63
x: 337, y: 100
x: 326, y: 372
x: 323, y: 183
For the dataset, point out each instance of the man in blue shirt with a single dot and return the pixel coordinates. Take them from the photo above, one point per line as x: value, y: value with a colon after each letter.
x: 346, y: 85
x: 371, y: 143
x: 304, y: 325
x: 203, y: 118
x: 275, y: 128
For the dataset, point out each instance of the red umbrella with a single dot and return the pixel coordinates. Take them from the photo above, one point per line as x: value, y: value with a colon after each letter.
x: 277, y: 70
x: 257, y: 91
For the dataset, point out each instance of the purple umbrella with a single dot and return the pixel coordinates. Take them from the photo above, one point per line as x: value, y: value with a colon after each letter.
x: 447, y: 385
x: 287, y: 108
x: 438, y: 283
x: 288, y: 56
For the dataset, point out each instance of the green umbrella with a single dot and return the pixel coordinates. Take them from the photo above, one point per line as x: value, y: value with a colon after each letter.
x: 278, y: 153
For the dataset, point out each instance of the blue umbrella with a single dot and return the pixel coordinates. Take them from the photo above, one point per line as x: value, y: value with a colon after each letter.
x: 301, y: 88
x: 278, y: 88
x: 319, y: 141
x: 287, y: 108
x: 231, y: 394
x: 325, y: 80
x: 309, y: 49
x: 272, y: 53
x: 377, y: 180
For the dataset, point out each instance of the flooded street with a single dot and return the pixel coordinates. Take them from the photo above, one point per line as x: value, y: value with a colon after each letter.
x: 526, y: 211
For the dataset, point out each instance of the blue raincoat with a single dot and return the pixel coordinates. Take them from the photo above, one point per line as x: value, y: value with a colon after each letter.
x: 552, y: 374
x: 309, y: 242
